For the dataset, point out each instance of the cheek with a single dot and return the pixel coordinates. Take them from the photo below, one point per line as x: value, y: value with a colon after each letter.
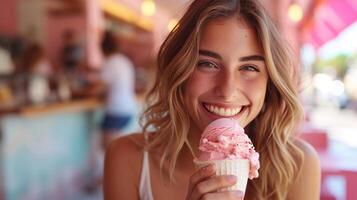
x: 257, y: 91
x: 190, y: 91
x: 197, y: 85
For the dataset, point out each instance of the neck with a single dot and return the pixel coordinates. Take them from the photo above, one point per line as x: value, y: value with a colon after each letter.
x: 187, y: 153
x: 185, y: 160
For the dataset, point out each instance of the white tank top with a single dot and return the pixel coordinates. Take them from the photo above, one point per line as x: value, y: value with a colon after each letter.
x: 145, y: 191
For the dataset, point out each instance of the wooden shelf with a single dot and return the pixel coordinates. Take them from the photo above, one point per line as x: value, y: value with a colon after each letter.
x: 71, y: 106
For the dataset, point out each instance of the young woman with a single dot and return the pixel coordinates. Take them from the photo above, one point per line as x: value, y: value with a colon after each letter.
x: 225, y: 58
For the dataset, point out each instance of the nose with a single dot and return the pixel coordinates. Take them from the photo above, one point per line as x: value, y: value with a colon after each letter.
x: 227, y: 86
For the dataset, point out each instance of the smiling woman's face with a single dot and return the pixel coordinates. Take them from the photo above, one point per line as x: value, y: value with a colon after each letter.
x: 230, y: 78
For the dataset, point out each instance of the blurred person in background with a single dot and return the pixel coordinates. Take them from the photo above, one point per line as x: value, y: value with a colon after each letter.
x: 6, y: 68
x: 38, y: 70
x: 6, y: 63
x: 72, y: 52
x: 35, y: 61
x: 118, y: 83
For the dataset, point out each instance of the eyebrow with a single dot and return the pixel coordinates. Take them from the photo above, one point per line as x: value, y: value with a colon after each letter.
x: 244, y: 58
x: 210, y: 54
x: 252, y: 57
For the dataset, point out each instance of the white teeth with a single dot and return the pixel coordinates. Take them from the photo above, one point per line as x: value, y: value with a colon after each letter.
x: 215, y: 110
x: 211, y: 107
x: 230, y: 111
x: 222, y: 112
x: 225, y: 112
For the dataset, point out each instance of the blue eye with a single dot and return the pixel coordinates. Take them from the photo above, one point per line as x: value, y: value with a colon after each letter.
x: 207, y: 65
x: 250, y: 68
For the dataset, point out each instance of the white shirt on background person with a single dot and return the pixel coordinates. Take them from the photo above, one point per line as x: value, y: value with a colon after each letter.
x: 119, y: 76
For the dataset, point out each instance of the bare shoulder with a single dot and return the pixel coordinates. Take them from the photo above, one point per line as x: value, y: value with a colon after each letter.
x: 122, y: 167
x: 128, y: 148
x: 133, y: 143
x: 307, y: 184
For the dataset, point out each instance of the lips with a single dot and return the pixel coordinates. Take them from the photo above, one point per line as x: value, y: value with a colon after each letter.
x: 223, y: 111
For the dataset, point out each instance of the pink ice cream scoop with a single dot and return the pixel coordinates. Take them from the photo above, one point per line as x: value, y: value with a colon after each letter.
x: 224, y: 139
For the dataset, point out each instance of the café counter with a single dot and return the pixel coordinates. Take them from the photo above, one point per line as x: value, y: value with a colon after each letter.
x: 45, y: 150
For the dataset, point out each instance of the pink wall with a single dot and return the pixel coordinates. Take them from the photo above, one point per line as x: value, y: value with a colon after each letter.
x: 289, y: 28
x: 278, y: 10
x: 54, y: 28
x: 161, y: 31
x: 8, y: 17
x: 95, y: 25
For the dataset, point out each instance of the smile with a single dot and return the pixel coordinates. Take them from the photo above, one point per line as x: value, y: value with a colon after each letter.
x: 224, y: 112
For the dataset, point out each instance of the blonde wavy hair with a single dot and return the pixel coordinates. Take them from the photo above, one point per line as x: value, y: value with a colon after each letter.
x: 271, y: 131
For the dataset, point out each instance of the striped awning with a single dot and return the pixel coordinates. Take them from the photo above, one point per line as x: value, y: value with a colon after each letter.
x: 330, y: 17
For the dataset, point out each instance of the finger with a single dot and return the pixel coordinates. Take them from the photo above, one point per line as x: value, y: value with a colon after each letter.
x: 212, y: 185
x: 233, y: 195
x: 200, y: 175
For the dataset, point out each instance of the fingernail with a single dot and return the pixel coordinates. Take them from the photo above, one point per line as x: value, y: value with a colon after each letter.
x: 232, y: 179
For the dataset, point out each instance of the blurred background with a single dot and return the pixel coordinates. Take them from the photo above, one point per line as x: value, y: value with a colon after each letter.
x: 50, y: 114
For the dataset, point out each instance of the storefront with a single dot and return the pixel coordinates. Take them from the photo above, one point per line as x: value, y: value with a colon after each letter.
x: 46, y: 151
